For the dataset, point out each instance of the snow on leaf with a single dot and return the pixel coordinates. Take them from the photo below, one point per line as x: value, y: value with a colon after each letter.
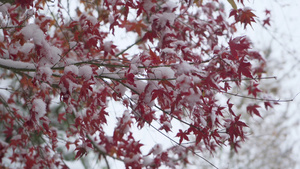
x: 86, y: 72
x: 71, y: 68
x: 33, y: 31
x: 39, y: 106
x: 163, y: 73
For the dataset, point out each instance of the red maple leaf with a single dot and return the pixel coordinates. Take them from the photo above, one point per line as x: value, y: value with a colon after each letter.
x: 252, y: 109
x: 266, y: 21
x: 235, y: 129
x: 252, y: 89
x: 238, y: 44
x: 267, y: 12
x: 182, y: 135
x: 244, y: 69
x: 244, y: 16
x: 135, y: 26
x: 24, y: 3
x: 80, y: 152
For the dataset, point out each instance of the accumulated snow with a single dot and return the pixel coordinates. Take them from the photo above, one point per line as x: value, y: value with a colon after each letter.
x: 169, y: 5
x: 163, y: 72
x: 92, y: 19
x: 168, y: 124
x: 157, y: 149
x: 44, y: 86
x: 53, y: 54
x: 50, y: 55
x: 33, y: 31
x: 192, y: 98
x: 134, y: 69
x: 26, y: 48
x: 140, y: 86
x: 72, y: 44
x: 125, y: 119
x: 113, y: 75
x: 86, y: 72
x: 1, y: 36
x: 68, y: 61
x: 164, y: 18
x: 169, y: 51
x: 185, y: 68
x: 72, y: 86
x: 147, y: 5
x: 196, y: 79
x: 16, y: 64
x: 147, y: 161
x: 107, y: 46
x: 45, y: 72
x: 130, y: 160
x: 121, y: 89
x: 39, y: 106
x: 71, y: 68
x: 213, y: 115
x: 184, y: 82
x: 4, y: 8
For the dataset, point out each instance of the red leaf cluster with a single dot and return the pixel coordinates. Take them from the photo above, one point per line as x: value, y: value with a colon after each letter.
x: 64, y: 74
x: 244, y: 16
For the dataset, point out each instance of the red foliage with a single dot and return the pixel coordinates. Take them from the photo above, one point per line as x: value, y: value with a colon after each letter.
x: 67, y: 71
x: 252, y: 109
x: 244, y: 16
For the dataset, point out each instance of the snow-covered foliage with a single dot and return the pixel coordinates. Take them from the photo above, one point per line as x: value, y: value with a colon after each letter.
x: 67, y: 64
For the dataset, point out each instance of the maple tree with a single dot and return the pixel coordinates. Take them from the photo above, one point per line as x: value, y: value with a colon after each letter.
x: 186, y: 54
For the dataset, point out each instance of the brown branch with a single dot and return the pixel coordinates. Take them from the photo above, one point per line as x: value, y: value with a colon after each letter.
x: 261, y: 99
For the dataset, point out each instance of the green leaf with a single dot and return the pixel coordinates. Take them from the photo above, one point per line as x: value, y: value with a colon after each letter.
x: 232, y: 3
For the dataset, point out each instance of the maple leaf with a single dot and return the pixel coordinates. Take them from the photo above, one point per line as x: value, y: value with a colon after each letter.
x: 85, y: 90
x: 153, y: 57
x: 267, y: 12
x: 267, y: 105
x: 266, y: 22
x: 169, y: 34
x: 130, y: 79
x: 252, y: 109
x: 242, y: 1
x: 182, y: 135
x: 230, y: 107
x: 238, y: 44
x: 135, y: 26
x: 24, y: 3
x: 150, y: 35
x: 80, y: 152
x: 244, y: 16
x: 244, y: 69
x: 252, y: 89
x: 61, y: 117
x: 235, y: 128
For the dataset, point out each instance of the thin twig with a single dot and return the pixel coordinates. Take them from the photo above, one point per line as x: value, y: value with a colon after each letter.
x: 261, y: 99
